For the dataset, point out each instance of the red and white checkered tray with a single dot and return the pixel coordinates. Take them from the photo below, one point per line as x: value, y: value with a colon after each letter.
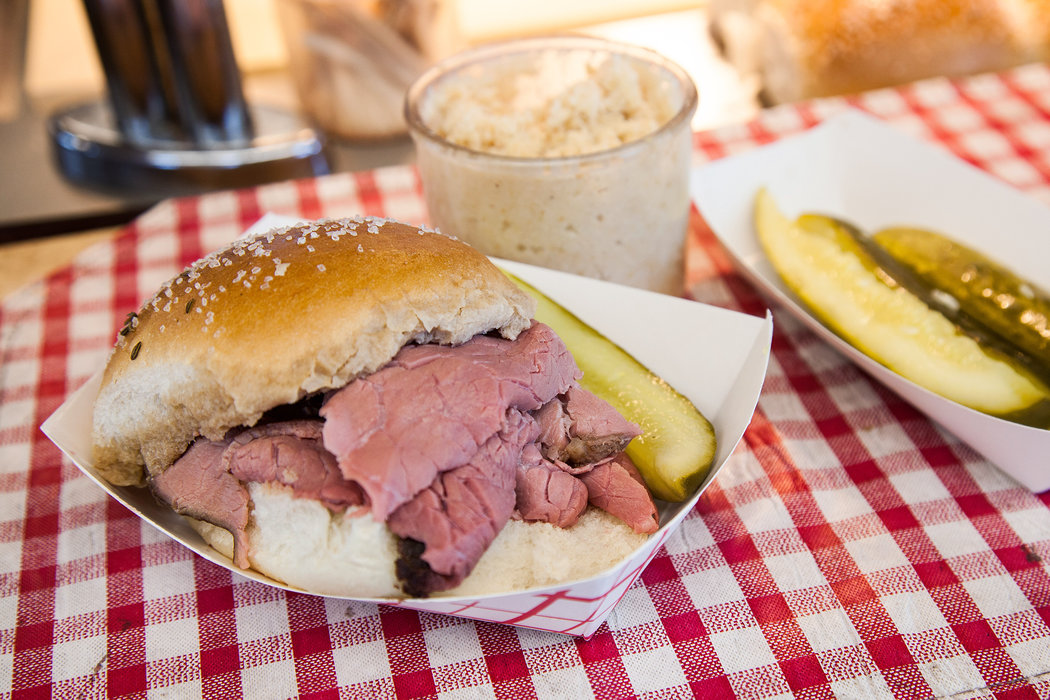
x: 850, y: 548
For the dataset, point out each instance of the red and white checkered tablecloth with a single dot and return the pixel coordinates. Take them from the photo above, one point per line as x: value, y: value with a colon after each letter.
x: 849, y: 549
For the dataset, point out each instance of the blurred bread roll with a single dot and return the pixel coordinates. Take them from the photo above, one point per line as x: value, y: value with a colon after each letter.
x: 800, y: 49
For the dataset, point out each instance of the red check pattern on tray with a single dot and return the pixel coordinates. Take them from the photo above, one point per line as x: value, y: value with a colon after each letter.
x: 850, y: 548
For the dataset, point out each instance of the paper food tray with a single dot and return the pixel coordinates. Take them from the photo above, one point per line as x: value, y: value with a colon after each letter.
x: 860, y: 169
x: 716, y: 357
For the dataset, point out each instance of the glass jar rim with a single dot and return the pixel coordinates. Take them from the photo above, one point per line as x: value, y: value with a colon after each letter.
x: 558, y: 42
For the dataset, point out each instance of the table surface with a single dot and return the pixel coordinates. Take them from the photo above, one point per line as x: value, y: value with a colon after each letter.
x: 849, y: 548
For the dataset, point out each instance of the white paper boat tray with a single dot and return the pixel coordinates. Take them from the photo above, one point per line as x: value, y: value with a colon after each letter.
x: 715, y: 357
x: 860, y: 169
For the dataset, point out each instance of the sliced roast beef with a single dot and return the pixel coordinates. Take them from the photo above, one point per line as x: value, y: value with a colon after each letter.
x: 554, y: 428
x: 461, y: 512
x: 616, y: 487
x: 547, y: 492
x: 199, y: 486
x: 579, y: 428
x: 207, y: 482
x: 596, y: 429
x: 444, y: 444
x: 291, y: 453
x: 433, y: 407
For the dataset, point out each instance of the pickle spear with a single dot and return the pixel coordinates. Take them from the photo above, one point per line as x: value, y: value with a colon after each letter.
x: 677, y: 446
x: 986, y: 291
x: 847, y: 291
x: 892, y: 271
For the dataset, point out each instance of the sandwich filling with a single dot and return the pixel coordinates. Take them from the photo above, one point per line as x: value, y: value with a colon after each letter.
x: 444, y: 444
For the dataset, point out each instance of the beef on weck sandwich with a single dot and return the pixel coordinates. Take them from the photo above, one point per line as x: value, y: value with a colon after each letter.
x: 364, y: 408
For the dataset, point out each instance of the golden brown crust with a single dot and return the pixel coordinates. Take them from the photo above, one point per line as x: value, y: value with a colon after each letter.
x: 271, y: 319
x: 815, y: 48
x: 852, y: 46
x: 1036, y: 17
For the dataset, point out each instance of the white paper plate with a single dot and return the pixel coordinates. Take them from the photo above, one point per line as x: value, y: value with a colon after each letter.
x: 716, y: 357
x: 862, y: 170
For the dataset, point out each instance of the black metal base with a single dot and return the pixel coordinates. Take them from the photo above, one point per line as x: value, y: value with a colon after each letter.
x: 91, y: 152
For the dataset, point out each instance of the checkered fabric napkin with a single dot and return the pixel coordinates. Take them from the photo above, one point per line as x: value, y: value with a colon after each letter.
x: 850, y: 548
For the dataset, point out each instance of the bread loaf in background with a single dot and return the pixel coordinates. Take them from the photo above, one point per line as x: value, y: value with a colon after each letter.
x: 800, y: 49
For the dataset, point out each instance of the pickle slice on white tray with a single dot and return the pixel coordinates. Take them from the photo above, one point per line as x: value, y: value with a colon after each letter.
x: 987, y: 291
x: 835, y: 277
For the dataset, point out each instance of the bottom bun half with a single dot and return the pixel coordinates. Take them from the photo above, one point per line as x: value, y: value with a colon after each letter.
x: 302, y: 544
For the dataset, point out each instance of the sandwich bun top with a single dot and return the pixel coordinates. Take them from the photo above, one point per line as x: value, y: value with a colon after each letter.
x: 271, y: 319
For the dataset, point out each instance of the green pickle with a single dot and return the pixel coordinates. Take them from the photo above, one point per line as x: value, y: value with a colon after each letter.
x: 882, y: 310
x: 986, y: 291
x: 676, y: 449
